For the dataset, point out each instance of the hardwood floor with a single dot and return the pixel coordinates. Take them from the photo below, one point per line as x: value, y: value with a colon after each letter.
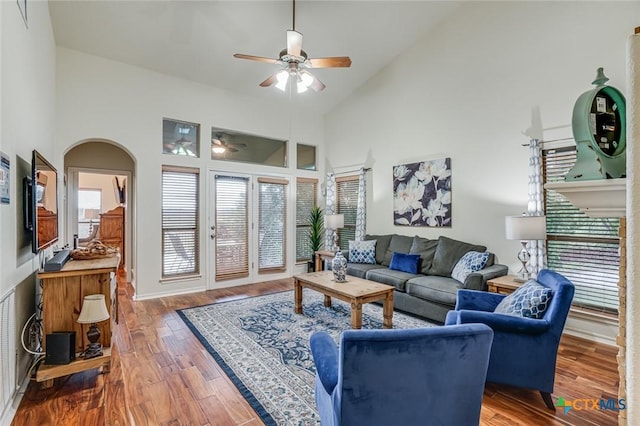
x: 161, y: 375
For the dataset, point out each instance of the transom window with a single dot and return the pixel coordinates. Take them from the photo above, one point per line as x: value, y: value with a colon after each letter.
x: 230, y: 145
x: 180, y: 138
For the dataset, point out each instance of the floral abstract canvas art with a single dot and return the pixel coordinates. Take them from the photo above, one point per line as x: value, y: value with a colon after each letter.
x: 422, y: 193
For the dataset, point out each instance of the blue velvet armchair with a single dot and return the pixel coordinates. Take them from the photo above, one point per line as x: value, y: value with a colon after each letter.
x: 524, y: 350
x: 402, y: 377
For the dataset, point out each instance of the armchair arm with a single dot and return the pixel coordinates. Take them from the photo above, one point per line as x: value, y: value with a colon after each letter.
x: 325, y: 357
x: 478, y: 280
x: 474, y: 300
x: 505, y: 323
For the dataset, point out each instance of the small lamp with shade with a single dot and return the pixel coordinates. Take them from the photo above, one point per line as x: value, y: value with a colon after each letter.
x: 94, y: 310
x: 525, y: 229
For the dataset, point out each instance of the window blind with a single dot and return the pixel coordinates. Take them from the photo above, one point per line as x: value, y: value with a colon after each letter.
x: 272, y: 222
x: 306, y: 190
x: 180, y: 224
x: 583, y: 249
x: 347, y: 204
x: 232, y: 227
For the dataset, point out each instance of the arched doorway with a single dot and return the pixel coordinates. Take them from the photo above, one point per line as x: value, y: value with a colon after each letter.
x: 100, y: 197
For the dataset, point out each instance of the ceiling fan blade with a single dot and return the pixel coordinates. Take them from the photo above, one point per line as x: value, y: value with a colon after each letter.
x: 217, y: 141
x: 231, y: 149
x: 316, y: 85
x: 294, y: 43
x: 256, y: 58
x: 269, y: 81
x: 332, y: 62
x: 237, y: 145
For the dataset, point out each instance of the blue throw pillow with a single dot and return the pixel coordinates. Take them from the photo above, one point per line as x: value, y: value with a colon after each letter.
x: 405, y: 262
x: 362, y: 251
x: 529, y: 301
x: 471, y: 262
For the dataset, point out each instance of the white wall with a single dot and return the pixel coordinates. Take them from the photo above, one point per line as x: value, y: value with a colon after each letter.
x: 470, y: 90
x: 103, y: 99
x: 27, y: 85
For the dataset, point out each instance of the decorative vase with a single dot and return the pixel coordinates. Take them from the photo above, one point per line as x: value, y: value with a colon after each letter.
x: 339, y: 267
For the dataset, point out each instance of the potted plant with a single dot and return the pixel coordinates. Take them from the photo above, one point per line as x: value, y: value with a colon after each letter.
x: 316, y: 233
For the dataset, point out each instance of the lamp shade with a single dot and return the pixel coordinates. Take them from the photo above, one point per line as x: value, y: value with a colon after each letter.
x: 525, y: 227
x: 93, y: 310
x: 334, y: 221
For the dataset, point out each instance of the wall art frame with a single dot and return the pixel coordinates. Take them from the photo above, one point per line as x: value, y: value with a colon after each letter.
x: 422, y: 193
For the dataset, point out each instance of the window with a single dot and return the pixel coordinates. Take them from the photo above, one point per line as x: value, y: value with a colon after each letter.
x: 89, y: 207
x: 347, y: 204
x: 180, y: 221
x: 272, y: 222
x: 305, y: 201
x: 229, y: 145
x: 180, y: 138
x: 306, y: 157
x: 583, y: 249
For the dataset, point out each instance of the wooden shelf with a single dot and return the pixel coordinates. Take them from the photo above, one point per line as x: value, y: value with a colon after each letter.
x: 46, y: 373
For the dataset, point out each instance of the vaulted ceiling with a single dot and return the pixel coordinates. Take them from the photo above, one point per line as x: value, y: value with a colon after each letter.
x: 196, y: 40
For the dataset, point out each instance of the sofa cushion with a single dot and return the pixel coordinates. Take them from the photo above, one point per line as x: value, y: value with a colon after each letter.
x: 398, y: 279
x: 529, y: 301
x: 382, y: 244
x: 448, y: 252
x: 398, y: 244
x: 362, y: 251
x: 405, y: 262
x: 426, y: 248
x: 435, y: 289
x: 360, y: 269
x: 472, y: 261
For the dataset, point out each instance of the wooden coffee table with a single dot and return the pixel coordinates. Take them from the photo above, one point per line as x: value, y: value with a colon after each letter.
x: 356, y: 291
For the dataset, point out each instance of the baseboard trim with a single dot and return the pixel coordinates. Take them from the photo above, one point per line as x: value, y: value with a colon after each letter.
x: 168, y: 293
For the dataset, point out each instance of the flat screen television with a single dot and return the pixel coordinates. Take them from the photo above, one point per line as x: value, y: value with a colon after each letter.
x: 41, y: 203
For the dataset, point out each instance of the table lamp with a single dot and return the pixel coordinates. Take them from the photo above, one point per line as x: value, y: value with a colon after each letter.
x: 93, y: 311
x: 334, y: 222
x: 525, y: 229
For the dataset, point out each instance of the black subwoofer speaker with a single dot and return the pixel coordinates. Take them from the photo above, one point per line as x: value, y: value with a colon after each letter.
x: 61, y: 347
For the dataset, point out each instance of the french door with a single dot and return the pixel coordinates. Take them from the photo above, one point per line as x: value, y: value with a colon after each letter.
x: 248, y: 222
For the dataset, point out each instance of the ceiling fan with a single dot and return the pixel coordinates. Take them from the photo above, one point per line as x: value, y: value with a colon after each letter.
x: 220, y: 145
x: 296, y: 64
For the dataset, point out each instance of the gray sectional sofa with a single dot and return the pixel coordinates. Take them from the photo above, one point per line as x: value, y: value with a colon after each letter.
x: 430, y: 293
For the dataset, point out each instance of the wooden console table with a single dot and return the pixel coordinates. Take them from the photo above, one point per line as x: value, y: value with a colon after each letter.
x: 62, y: 295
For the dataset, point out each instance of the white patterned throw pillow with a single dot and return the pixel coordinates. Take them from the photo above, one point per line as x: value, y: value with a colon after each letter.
x: 362, y: 251
x: 529, y: 301
x: 472, y: 261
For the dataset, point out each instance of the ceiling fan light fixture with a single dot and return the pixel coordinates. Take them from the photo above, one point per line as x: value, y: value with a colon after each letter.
x: 282, y: 77
x: 218, y: 149
x: 306, y: 78
x: 301, y: 85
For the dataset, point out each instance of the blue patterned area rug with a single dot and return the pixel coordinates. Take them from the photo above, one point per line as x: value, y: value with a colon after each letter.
x: 263, y: 346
